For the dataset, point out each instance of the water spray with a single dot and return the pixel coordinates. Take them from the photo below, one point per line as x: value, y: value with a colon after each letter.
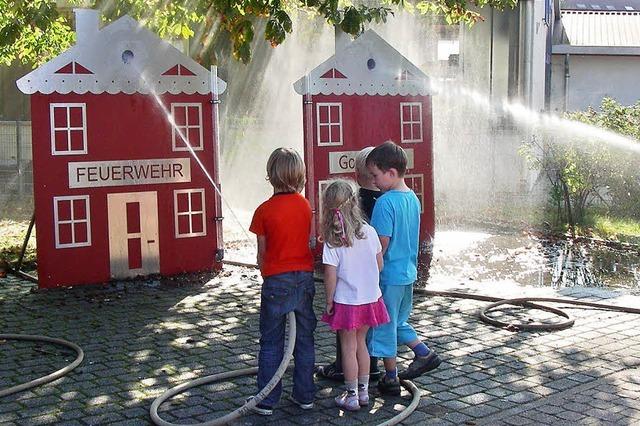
x: 526, y: 115
x: 182, y: 136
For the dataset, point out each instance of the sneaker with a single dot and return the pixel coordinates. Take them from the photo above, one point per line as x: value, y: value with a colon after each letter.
x: 348, y: 401
x: 388, y: 386
x: 307, y: 406
x: 260, y: 409
x: 420, y: 365
x: 331, y: 372
x: 363, y: 396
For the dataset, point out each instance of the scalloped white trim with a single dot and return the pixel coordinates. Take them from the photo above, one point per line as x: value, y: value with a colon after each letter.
x: 370, y: 88
x: 88, y: 83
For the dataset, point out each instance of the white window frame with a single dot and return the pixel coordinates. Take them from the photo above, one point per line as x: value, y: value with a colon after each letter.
x: 189, y: 213
x: 329, y: 124
x: 72, y: 221
x: 411, y: 121
x: 419, y: 194
x: 178, y: 145
x: 321, y: 185
x: 68, y: 128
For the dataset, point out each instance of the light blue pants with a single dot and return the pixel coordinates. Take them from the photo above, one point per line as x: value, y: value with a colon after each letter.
x: 383, y: 340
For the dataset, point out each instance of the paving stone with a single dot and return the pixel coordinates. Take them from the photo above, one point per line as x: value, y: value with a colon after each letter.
x: 140, y: 342
x: 467, y: 390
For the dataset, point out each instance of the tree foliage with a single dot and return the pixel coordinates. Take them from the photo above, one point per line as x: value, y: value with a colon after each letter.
x: 34, y: 31
x: 587, y: 171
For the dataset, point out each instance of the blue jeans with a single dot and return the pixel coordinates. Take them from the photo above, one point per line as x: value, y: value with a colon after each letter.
x: 281, y: 294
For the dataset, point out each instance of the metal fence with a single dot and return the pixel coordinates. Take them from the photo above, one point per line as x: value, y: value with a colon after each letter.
x: 16, y: 172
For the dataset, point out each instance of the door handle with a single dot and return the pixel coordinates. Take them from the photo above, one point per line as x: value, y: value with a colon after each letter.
x: 151, y: 241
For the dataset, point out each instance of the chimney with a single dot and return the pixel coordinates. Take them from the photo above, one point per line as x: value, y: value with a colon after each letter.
x: 342, y: 39
x: 87, y: 22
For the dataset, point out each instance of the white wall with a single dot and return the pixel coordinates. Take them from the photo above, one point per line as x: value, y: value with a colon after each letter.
x: 593, y: 77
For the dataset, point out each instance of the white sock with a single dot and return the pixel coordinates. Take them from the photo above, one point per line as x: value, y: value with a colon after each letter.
x: 363, y: 384
x: 352, y: 387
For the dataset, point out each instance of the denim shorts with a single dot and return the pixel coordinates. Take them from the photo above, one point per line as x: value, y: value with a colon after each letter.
x: 383, y: 340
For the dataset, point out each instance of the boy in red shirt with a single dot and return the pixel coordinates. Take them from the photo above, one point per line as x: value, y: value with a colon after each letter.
x: 282, y: 225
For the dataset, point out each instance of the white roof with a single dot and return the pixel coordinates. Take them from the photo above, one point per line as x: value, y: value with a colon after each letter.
x: 611, y: 29
x: 366, y: 66
x: 123, y: 57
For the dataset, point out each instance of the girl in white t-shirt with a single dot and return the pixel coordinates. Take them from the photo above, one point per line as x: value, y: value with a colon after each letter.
x: 352, y: 258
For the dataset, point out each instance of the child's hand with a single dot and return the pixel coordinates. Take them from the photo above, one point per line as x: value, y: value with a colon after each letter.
x: 329, y: 308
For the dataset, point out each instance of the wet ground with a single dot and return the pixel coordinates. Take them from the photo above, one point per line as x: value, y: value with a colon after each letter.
x: 529, y: 259
x: 143, y: 337
x: 523, y: 258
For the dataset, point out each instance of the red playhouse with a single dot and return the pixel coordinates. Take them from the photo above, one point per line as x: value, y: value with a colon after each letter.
x: 365, y: 94
x: 117, y: 191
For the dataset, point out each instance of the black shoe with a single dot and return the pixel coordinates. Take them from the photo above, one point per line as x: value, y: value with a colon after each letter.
x: 375, y: 375
x: 420, y: 365
x: 374, y: 371
x: 388, y: 386
x: 331, y: 372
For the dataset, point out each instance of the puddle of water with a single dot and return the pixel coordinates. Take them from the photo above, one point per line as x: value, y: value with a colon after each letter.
x: 526, y: 259
x: 517, y: 258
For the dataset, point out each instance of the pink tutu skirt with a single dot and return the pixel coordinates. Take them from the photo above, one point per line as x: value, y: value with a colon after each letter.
x: 352, y: 317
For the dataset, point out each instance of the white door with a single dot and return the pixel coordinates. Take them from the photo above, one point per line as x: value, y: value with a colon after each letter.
x: 133, y: 234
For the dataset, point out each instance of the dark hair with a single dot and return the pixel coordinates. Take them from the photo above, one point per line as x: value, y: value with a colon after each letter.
x: 388, y: 156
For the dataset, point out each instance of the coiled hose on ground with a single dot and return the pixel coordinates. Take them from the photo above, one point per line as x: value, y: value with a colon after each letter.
x: 49, y: 377
x: 496, y: 301
x: 246, y: 408
x: 526, y: 302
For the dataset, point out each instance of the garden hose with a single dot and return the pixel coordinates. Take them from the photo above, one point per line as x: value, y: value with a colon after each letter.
x: 49, y: 377
x: 246, y: 408
x: 526, y: 302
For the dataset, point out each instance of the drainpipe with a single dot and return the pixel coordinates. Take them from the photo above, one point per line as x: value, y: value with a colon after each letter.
x: 215, y: 101
x: 566, y: 81
x: 528, y: 52
x: 492, y: 29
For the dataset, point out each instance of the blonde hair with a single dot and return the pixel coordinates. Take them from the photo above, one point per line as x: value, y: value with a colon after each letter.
x: 285, y: 170
x: 361, y: 163
x: 342, y: 218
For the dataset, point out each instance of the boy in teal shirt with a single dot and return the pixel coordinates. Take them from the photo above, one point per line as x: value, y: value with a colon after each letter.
x: 396, y: 218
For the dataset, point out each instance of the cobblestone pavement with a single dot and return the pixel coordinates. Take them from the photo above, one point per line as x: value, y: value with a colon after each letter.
x: 141, y: 338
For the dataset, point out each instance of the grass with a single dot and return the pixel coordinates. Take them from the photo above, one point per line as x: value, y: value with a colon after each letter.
x: 12, y: 235
x: 14, y: 222
x: 613, y: 228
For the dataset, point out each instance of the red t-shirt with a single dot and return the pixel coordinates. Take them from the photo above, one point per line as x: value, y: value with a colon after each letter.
x: 285, y: 222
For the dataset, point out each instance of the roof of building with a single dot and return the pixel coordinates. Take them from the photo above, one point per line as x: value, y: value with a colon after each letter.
x: 366, y: 66
x: 601, y: 5
x: 123, y: 57
x: 599, y: 29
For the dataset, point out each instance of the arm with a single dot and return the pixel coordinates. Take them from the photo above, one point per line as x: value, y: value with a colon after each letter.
x: 384, y: 242
x: 380, y: 261
x: 330, y: 280
x: 262, y: 246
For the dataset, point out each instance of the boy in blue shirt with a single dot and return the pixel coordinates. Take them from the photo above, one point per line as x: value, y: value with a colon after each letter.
x: 396, y: 218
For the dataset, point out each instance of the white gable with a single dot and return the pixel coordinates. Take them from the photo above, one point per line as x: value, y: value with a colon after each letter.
x: 366, y: 66
x: 122, y: 57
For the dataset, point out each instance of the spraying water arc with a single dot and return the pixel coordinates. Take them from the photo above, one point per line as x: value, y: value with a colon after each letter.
x: 192, y: 152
